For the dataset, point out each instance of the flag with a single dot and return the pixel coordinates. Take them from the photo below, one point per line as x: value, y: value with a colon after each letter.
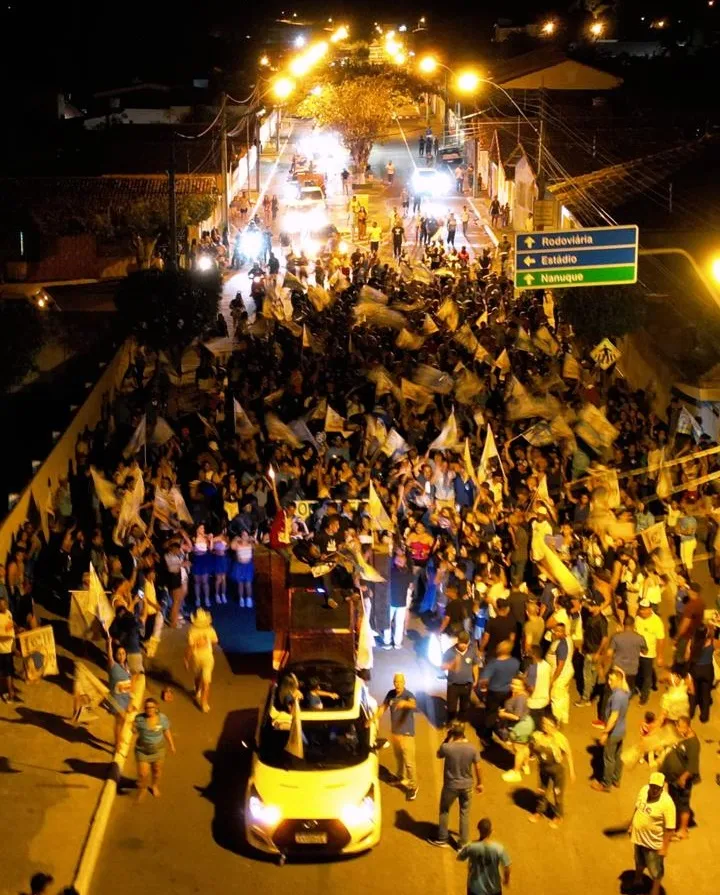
x: 607, y: 479
x: 162, y: 433
x: 366, y: 640
x: 138, y: 440
x: 333, y: 421
x: 88, y: 691
x: 489, y: 452
x: 544, y: 340
x: 432, y: 379
x: 655, y: 537
x: 483, y: 356
x: 320, y: 410
x: 181, y: 510
x: 448, y: 437
x: 571, y: 368
x: 560, y: 428
x: 394, y: 444
x: 466, y: 338
x: 409, y: 340
x: 467, y: 386
x: 310, y: 341
x: 128, y: 516
x: 374, y: 314
x: 664, y: 486
x: 162, y: 507
x: 290, y: 281
x: 523, y: 341
x: 367, y: 293
x: 429, y: 326
x: 449, y: 313
x: 99, y: 602
x: 299, y: 428
x: 104, y: 489
x: 482, y: 319
x: 418, y: 394
x: 274, y: 397
x: 243, y: 424
x: 479, y: 418
x: 295, y: 744
x: 539, y: 435
x: 594, y: 428
x: 209, y: 428
x: 559, y: 572
x: 688, y: 425
x: 379, y: 519
x: 278, y: 431
x: 502, y: 361
x: 467, y: 459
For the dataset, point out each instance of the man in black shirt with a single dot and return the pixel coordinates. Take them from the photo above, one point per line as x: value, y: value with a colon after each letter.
x: 398, y: 235
x: 500, y: 628
x: 595, y: 641
x: 401, y: 587
x: 463, y: 667
x: 681, y: 767
x: 457, y: 612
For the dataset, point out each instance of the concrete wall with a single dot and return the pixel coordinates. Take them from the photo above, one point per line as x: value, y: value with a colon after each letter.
x: 62, y: 457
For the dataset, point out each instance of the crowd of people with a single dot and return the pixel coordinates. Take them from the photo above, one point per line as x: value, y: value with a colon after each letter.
x: 534, y: 511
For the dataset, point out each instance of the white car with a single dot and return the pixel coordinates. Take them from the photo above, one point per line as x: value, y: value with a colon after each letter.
x: 307, y: 214
x: 430, y: 182
x: 328, y: 801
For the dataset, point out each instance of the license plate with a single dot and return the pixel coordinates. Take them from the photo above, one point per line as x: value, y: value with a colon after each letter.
x: 311, y: 838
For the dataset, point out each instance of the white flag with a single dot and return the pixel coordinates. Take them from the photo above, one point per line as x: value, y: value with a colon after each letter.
x: 489, y: 452
x: 295, y: 744
x: 333, y: 421
x: 299, y: 427
x: 278, y: 431
x: 395, y: 444
x: 448, y: 438
x: 138, y: 440
x: 162, y: 433
x: 243, y: 423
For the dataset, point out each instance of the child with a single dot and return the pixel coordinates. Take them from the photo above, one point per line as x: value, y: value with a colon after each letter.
x: 647, y: 728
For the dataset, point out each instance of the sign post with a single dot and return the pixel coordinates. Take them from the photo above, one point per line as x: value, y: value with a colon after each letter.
x: 596, y: 256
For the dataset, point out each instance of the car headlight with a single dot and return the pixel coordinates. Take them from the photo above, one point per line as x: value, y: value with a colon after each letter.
x: 362, y: 813
x: 317, y: 219
x: 292, y: 221
x: 262, y: 813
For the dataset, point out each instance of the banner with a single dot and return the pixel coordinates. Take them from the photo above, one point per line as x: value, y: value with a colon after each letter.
x: 88, y: 691
x: 37, y: 648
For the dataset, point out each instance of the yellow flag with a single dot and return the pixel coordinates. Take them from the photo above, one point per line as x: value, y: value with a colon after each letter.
x: 432, y: 379
x: 571, y: 368
x: 429, y: 326
x: 449, y: 313
x: 278, y: 431
x: 418, y: 394
x: 319, y: 297
x: 489, y: 452
x: 466, y: 338
x: 104, y: 488
x: 503, y: 361
x: 448, y: 438
x: 467, y: 386
x: 559, y: 572
x: 333, y: 421
x: 469, y: 471
x: 379, y: 519
x: 409, y: 340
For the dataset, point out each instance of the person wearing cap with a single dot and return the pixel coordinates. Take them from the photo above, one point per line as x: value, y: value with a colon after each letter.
x: 651, y: 628
x: 199, y: 657
x: 595, y: 641
x: 651, y: 829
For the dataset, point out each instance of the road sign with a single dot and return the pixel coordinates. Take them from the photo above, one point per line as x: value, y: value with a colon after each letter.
x: 592, y: 257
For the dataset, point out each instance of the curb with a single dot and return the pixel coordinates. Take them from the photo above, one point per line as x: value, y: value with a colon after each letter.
x: 98, y: 824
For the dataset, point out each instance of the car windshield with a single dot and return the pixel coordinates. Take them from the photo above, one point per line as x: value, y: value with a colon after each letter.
x: 314, y: 194
x: 326, y: 744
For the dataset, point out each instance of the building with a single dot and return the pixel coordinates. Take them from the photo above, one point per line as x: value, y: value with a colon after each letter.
x: 550, y: 69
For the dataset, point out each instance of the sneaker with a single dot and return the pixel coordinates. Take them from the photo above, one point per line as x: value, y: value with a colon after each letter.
x: 224, y: 600
x: 397, y: 646
x: 218, y: 600
x: 6, y: 697
x: 241, y: 602
x: 206, y: 708
x: 412, y: 794
x: 582, y: 703
x: 249, y: 603
x: 598, y: 786
x: 512, y: 776
x: 197, y: 602
x: 387, y: 646
x: 598, y: 725
x: 533, y: 818
x: 207, y: 602
x: 439, y: 843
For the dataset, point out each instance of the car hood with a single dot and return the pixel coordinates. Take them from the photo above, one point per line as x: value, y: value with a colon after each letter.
x: 316, y: 794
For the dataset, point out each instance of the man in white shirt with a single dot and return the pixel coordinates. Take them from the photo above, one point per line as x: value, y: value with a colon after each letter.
x: 651, y: 829
x: 650, y: 626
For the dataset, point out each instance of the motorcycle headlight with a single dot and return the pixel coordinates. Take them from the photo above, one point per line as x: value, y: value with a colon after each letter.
x: 262, y: 813
x: 204, y: 262
x: 362, y: 813
x: 251, y: 243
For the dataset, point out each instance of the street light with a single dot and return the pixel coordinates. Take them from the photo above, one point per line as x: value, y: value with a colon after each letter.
x: 264, y: 60
x: 283, y: 87
x: 342, y: 33
x: 468, y: 81
x: 300, y: 66
x: 548, y: 29
x: 715, y: 269
x: 428, y: 64
x: 597, y: 29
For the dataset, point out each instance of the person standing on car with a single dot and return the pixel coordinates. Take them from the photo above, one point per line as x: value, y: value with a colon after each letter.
x: 402, y: 705
x: 461, y: 758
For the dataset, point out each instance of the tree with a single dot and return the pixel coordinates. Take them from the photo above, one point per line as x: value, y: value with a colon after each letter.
x: 359, y: 109
x: 21, y: 337
x: 602, y: 311
x: 168, y: 309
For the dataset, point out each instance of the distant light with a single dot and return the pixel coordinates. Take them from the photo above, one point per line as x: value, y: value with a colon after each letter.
x: 422, y: 20
x: 390, y: 35
x: 399, y: 59
x: 715, y: 268
x: 468, y: 81
x: 316, y: 91
x: 343, y: 247
x: 428, y: 64
x: 402, y: 28
x: 597, y: 28
x: 300, y: 66
x: 660, y: 23
x: 264, y: 60
x: 548, y: 28
x: 300, y: 40
x: 283, y: 87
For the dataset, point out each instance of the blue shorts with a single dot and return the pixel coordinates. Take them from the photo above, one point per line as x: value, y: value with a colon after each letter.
x: 648, y: 859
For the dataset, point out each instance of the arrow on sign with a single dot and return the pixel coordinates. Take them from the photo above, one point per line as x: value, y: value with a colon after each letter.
x: 529, y: 279
x: 529, y: 242
x: 528, y: 262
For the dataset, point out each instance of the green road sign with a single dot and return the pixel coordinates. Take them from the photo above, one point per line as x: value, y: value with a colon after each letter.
x: 622, y: 274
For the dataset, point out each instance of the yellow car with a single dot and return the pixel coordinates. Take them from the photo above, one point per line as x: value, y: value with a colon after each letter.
x: 313, y: 788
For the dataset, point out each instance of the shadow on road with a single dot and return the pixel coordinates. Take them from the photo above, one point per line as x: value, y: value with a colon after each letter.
x: 163, y: 677
x: 525, y: 798
x: 434, y: 709
x: 98, y: 770
x: 627, y: 884
x: 230, y: 763
x: 58, y: 727
x: 421, y: 829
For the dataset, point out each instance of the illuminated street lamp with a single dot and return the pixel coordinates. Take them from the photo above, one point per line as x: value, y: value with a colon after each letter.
x: 282, y: 88
x: 399, y: 59
x: 264, y: 60
x: 715, y: 269
x: 300, y: 66
x: 342, y: 33
x: 597, y: 29
x: 468, y: 81
x: 300, y: 41
x: 548, y: 29
x: 428, y: 64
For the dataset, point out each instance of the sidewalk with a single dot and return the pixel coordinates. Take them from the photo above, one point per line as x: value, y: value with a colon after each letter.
x: 52, y: 773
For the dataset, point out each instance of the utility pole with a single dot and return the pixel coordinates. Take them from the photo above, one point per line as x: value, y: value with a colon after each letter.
x: 172, y: 207
x: 256, y: 129
x: 224, y: 166
x: 247, y: 149
x: 541, y: 147
x: 278, y: 119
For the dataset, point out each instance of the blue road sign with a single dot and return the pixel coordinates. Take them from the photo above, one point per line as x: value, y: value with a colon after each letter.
x: 590, y: 257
